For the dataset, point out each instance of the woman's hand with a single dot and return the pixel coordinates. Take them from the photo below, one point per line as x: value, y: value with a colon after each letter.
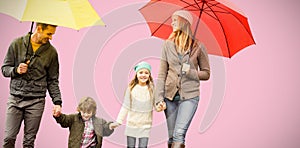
x: 160, y: 106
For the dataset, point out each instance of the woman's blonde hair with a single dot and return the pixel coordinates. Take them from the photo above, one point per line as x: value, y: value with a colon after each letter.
x: 87, y: 104
x: 183, y: 36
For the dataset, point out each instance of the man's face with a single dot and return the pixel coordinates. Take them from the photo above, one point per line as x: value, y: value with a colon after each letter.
x: 45, y: 35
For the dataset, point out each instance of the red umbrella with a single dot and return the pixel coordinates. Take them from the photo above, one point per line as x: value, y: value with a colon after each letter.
x: 223, y: 29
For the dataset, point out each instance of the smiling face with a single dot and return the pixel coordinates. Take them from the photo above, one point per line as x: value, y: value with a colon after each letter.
x: 86, y: 115
x: 43, y: 36
x: 87, y: 108
x: 180, y: 24
x: 174, y: 23
x: 143, y: 76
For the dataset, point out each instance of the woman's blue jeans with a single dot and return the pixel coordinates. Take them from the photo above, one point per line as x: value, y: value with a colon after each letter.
x: 179, y: 114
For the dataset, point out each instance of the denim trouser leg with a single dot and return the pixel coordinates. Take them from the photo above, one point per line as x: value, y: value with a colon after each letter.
x: 179, y: 116
x: 18, y: 110
x: 171, y: 114
x: 143, y: 142
x: 131, y: 142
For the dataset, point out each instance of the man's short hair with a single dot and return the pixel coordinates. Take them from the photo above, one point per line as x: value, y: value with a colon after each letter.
x: 44, y: 25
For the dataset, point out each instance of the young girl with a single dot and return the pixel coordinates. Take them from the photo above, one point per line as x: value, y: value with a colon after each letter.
x: 137, y: 106
x: 86, y: 130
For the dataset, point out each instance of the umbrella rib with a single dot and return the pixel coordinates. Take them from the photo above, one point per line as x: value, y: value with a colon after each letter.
x: 149, y: 4
x: 208, y: 9
x: 222, y: 29
x: 198, y: 21
x: 234, y: 17
x: 199, y: 17
x: 206, y: 12
x: 216, y: 5
x: 160, y: 25
x: 189, y: 4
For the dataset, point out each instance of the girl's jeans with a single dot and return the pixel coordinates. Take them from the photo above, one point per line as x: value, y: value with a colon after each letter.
x: 179, y: 114
x: 143, y: 142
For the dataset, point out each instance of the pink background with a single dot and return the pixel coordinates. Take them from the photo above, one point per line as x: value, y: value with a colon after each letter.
x: 259, y: 104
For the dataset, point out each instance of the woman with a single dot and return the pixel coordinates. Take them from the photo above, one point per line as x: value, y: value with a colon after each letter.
x: 184, y: 62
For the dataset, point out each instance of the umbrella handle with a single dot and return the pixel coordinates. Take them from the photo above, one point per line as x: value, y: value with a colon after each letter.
x: 31, y: 28
x: 27, y: 61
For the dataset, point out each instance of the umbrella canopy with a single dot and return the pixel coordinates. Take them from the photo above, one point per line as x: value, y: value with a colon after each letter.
x: 217, y: 23
x: 75, y: 14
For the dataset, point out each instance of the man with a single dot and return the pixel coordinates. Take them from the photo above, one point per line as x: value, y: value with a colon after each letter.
x: 32, y: 71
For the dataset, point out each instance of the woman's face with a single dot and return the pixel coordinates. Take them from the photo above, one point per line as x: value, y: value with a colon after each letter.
x: 175, y: 23
x: 143, y: 76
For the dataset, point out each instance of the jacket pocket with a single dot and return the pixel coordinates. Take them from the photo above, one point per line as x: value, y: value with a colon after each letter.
x: 193, y: 75
x: 170, y: 83
x: 16, y: 85
x: 39, y: 87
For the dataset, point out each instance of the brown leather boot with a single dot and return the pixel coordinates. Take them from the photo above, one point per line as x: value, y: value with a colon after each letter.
x: 177, y: 145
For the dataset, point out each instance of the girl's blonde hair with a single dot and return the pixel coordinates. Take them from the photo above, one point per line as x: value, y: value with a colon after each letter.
x: 183, y: 36
x: 135, y: 81
x: 87, y: 104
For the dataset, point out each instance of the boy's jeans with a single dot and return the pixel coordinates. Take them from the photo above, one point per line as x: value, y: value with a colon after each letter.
x: 179, y: 114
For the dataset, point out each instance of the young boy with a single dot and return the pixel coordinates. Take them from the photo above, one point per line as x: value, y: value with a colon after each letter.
x: 86, y: 130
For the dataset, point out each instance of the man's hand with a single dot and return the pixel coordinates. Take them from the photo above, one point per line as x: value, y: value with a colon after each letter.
x: 22, y: 68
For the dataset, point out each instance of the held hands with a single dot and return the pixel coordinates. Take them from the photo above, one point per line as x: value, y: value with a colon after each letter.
x: 114, y: 125
x: 56, y: 110
x: 160, y: 106
x: 22, y: 68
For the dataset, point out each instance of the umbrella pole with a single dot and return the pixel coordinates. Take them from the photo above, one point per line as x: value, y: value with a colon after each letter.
x: 29, y: 38
x: 198, y: 21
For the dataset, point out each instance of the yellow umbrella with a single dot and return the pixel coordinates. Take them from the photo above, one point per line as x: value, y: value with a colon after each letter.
x: 75, y: 14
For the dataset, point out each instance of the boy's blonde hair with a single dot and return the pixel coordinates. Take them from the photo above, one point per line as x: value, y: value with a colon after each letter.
x: 87, y: 104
